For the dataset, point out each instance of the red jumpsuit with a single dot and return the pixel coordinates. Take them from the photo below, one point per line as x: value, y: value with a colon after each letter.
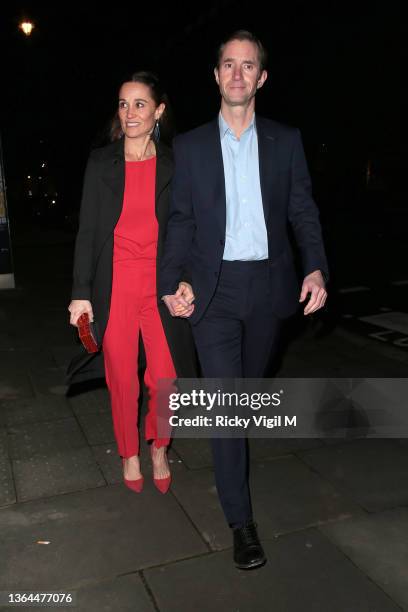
x: 133, y: 308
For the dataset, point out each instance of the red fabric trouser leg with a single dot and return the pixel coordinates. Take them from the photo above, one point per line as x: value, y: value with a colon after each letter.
x: 133, y: 310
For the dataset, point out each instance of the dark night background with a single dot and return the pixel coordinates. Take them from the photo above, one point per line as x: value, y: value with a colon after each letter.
x: 332, y: 509
x: 333, y: 72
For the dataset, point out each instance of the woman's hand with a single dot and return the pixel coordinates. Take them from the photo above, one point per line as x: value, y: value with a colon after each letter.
x: 78, y: 307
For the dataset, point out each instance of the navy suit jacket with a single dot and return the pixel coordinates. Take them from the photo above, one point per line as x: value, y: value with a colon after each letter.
x: 195, y: 235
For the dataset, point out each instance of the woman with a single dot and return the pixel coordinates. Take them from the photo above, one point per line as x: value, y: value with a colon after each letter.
x: 121, y: 233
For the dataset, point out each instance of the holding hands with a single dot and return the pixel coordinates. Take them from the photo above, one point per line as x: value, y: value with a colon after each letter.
x: 180, y: 304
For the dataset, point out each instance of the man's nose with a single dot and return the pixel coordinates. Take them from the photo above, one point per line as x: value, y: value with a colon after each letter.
x: 236, y: 75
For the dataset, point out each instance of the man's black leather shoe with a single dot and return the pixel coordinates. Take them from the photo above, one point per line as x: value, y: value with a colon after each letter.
x: 248, y: 552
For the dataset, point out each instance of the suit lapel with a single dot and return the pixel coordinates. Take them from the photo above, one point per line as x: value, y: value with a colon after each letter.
x: 268, y: 167
x: 215, y: 164
x: 268, y: 163
x: 114, y: 178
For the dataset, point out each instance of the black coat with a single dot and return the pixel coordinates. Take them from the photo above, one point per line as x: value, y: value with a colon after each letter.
x: 101, y: 206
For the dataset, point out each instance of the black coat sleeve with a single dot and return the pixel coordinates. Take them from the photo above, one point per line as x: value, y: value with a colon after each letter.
x: 304, y: 215
x: 180, y: 226
x: 83, y: 254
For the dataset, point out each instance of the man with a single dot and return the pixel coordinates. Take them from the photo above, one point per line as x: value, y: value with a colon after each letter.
x: 238, y: 181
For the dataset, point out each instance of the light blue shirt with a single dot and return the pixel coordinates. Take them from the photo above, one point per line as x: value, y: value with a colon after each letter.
x: 246, y: 238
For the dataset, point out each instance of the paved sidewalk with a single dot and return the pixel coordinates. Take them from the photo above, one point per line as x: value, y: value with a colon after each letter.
x: 332, y: 513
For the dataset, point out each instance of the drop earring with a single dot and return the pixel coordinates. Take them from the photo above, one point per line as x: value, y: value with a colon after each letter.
x: 156, y: 131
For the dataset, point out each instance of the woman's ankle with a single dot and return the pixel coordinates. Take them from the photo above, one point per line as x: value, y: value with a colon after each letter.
x: 131, y: 467
x: 156, y: 446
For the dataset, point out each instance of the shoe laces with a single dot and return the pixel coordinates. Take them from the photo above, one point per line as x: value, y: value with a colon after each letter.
x: 248, y: 534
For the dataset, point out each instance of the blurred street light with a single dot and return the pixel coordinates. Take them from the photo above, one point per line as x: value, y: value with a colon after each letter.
x: 26, y: 27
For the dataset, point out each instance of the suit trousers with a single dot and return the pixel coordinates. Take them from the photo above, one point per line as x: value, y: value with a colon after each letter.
x: 134, y: 310
x: 235, y: 338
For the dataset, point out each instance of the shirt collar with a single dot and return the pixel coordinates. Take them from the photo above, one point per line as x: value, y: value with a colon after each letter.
x: 225, y: 128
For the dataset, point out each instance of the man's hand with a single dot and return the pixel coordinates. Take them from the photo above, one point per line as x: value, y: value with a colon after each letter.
x: 313, y: 283
x: 186, y: 290
x: 180, y: 304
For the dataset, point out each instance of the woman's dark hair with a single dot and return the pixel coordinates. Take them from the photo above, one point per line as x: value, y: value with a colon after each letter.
x: 159, y: 96
x: 245, y: 35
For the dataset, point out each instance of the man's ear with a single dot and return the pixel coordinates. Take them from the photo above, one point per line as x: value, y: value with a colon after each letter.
x: 216, y: 76
x: 262, y: 78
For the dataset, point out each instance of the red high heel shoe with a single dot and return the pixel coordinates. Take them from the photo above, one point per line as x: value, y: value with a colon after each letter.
x: 134, y: 485
x: 162, y: 484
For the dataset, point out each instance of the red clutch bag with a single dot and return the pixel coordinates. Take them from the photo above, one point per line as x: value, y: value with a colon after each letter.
x: 87, y: 334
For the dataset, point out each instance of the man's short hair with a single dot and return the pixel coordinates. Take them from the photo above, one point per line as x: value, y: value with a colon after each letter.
x: 244, y: 35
